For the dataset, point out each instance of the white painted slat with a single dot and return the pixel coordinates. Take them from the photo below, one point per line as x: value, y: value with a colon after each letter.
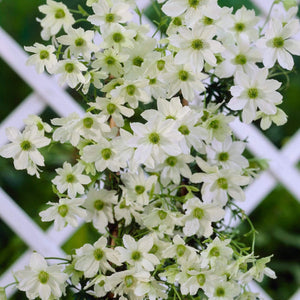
x: 60, y: 101
x: 296, y: 296
x: 31, y: 105
x: 261, y: 147
x: 27, y: 229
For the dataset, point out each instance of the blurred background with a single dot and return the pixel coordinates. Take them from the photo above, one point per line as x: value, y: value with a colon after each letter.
x: 276, y: 218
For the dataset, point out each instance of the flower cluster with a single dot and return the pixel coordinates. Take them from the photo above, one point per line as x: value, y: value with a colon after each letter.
x: 158, y: 164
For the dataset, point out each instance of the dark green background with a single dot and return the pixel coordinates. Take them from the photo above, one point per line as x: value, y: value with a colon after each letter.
x: 276, y: 218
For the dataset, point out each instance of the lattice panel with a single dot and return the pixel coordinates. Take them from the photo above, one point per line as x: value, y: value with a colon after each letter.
x: 48, y: 93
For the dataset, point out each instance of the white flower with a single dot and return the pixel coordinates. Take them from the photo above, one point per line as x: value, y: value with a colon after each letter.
x: 63, y: 213
x: 128, y: 282
x: 217, y: 250
x: 110, y: 61
x: 79, y: 42
x: 71, y: 179
x: 180, y: 250
x: 138, y: 186
x: 43, y: 57
x: 183, y: 78
x: 223, y: 290
x: 218, y: 184
x: 57, y: 16
x: 154, y: 141
x: 277, y: 44
x: 118, y: 37
x: 279, y: 118
x: 244, y: 22
x: 137, y: 253
x: 40, y: 280
x: 23, y: 148
x: 240, y: 57
x: 33, y: 120
x: 199, y: 217
x: 173, y: 167
x: 160, y: 219
x: 104, y: 154
x: 253, y: 90
x: 71, y: 72
x: 227, y: 154
x: 107, y: 13
x: 98, y: 206
x: 196, y: 46
x: 91, y: 259
x: 113, y: 107
x: 132, y: 91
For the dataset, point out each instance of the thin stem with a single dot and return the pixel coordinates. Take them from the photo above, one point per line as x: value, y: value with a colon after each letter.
x: 12, y: 283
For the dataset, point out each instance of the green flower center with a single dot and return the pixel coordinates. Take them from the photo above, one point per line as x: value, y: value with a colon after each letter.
x: 137, y: 61
x: 278, y: 42
x: 220, y: 292
x: 170, y: 118
x: 253, y: 93
x: 162, y: 214
x: 136, y: 255
x: 214, y: 252
x: 154, y: 138
x: 70, y: 178
x: 240, y: 59
x: 184, y: 130
x: 79, y: 42
x: 44, y: 54
x: 214, y: 124
x: 43, y: 277
x: 194, y: 3
x: 88, y: 122
x: 139, y: 189
x: 40, y: 126
x: 201, y: 279
x: 69, y: 67
x: 197, y: 44
x: 154, y: 249
x: 63, y: 210
x: 98, y: 204
x: 223, y: 156
x: 180, y: 250
x: 117, y: 37
x: 205, y: 116
x: 177, y: 21
x: 198, y: 213
x: 109, y: 18
x: 160, y: 64
x: 171, y: 161
x: 98, y: 254
x: 239, y: 27
x: 183, y: 75
x: 25, y: 145
x: 152, y: 81
x: 222, y: 183
x: 59, y: 14
x: 101, y: 283
x: 123, y: 205
x: 110, y: 60
x: 111, y: 108
x: 207, y: 21
x: 130, y: 89
x: 106, y: 153
x: 129, y: 280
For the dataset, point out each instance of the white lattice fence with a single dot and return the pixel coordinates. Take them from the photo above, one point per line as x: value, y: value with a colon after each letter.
x: 48, y: 93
